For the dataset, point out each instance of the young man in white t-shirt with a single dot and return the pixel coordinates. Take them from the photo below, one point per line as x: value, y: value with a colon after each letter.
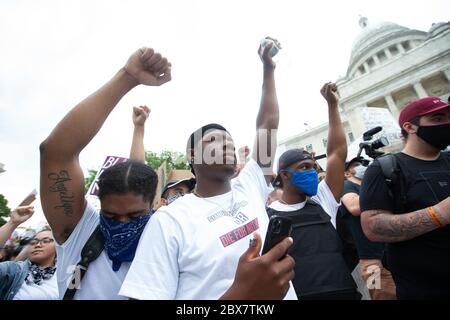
x: 191, y: 249
x: 321, y: 272
x: 126, y: 192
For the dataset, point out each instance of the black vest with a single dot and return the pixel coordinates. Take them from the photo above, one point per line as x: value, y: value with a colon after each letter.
x: 320, y: 267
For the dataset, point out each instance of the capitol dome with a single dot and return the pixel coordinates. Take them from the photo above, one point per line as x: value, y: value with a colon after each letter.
x: 438, y: 28
x: 375, y: 39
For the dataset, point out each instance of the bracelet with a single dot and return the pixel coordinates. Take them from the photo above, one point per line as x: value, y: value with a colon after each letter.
x: 434, y: 216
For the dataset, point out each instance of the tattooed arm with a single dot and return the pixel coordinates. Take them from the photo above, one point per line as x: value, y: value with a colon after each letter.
x: 383, y: 226
x: 62, y: 180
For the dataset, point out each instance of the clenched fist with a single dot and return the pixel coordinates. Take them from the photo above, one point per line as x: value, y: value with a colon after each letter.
x: 148, y: 67
x: 329, y: 92
x: 140, y: 115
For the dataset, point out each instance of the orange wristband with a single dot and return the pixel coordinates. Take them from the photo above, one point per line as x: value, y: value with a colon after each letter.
x: 434, y: 216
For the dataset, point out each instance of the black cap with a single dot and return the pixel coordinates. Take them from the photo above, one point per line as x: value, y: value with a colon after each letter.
x: 289, y: 158
x: 190, y: 183
x: 349, y: 163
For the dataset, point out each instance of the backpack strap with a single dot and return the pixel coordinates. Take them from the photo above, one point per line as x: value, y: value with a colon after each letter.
x: 394, y: 179
x: 389, y: 168
x: 91, y: 250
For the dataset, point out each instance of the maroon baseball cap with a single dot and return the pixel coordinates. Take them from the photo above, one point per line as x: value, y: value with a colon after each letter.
x: 421, y: 107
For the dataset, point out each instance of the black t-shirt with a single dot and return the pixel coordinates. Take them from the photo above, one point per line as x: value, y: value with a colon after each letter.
x: 420, y: 266
x: 366, y: 248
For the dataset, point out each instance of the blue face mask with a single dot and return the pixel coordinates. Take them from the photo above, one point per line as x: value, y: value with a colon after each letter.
x: 306, y: 181
x: 122, y: 238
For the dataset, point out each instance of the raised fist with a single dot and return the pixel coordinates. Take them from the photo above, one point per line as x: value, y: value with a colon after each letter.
x: 148, y: 67
x: 140, y: 115
x: 329, y: 92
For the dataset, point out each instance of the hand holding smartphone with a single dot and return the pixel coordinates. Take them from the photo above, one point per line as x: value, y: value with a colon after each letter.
x: 278, y: 229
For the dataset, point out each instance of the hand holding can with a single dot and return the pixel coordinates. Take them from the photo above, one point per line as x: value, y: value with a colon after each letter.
x: 275, y: 46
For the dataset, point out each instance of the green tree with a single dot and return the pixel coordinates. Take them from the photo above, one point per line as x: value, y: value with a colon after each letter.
x: 89, y: 179
x: 4, y: 210
x: 174, y: 160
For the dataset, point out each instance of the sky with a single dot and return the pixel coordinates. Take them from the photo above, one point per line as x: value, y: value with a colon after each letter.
x: 55, y: 53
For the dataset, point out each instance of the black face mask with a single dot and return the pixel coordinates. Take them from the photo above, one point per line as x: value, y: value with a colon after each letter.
x: 437, y: 136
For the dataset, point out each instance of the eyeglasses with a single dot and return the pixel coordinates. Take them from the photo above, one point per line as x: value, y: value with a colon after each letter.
x: 43, y: 241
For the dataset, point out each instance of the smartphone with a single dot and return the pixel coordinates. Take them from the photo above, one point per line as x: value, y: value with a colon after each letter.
x: 278, y: 229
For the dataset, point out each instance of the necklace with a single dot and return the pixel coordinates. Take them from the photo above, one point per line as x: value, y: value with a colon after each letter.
x: 288, y: 204
x: 215, y: 203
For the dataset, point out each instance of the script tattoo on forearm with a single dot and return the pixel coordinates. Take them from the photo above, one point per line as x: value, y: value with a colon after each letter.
x: 66, y: 198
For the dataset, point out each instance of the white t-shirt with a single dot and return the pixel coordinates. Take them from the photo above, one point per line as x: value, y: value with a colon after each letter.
x: 190, y: 249
x: 324, y: 198
x: 100, y: 281
x: 47, y: 290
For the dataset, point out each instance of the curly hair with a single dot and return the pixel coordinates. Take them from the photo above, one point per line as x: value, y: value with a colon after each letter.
x: 130, y: 176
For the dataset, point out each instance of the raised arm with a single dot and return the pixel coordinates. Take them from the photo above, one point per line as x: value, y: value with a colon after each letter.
x: 384, y: 226
x: 337, y: 144
x: 268, y: 115
x: 62, y: 181
x: 140, y: 115
x: 18, y: 216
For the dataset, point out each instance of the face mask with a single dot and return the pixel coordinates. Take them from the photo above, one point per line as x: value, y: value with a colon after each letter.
x: 174, y: 197
x: 437, y: 136
x: 306, y: 181
x: 121, y: 238
x: 359, y: 171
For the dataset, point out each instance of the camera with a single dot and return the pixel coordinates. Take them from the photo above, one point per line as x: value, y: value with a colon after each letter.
x: 276, y: 226
x: 371, y: 147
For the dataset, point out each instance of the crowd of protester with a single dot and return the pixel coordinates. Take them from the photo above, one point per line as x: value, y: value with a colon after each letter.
x: 196, y: 244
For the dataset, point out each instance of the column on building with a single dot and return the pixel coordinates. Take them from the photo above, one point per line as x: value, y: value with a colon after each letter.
x: 420, y: 90
x: 447, y: 74
x: 400, y: 48
x: 355, y: 120
x: 388, y: 53
x: 366, y: 67
x: 375, y: 58
x: 392, y: 106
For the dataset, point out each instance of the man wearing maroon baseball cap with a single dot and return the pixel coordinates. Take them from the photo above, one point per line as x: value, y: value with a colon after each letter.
x: 412, y: 211
x: 435, y: 132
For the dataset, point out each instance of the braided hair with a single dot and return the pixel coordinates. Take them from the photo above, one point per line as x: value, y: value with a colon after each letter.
x: 130, y: 176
